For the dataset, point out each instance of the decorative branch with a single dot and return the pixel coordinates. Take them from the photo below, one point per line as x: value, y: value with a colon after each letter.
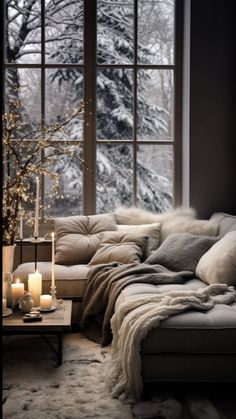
x: 23, y: 159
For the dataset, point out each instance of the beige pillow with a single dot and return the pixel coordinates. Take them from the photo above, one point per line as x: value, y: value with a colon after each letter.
x: 120, y: 247
x: 218, y: 265
x: 78, y: 237
x: 152, y: 231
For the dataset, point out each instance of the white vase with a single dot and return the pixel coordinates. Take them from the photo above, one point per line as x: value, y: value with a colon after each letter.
x: 7, y: 269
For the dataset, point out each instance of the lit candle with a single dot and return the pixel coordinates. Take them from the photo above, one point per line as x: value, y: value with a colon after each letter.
x: 4, y: 305
x: 53, y: 259
x: 17, y: 289
x: 21, y: 227
x: 36, y: 221
x: 45, y: 301
x: 35, y: 286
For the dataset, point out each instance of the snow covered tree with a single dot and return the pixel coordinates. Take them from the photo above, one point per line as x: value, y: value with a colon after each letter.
x: 115, y: 110
x: 115, y: 105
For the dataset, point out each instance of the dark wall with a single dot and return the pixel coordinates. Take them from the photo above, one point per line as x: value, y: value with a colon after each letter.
x: 213, y: 107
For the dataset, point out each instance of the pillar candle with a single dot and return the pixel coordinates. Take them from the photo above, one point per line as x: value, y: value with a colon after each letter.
x: 53, y: 259
x: 45, y: 301
x: 17, y: 289
x: 35, y: 287
x: 36, y: 220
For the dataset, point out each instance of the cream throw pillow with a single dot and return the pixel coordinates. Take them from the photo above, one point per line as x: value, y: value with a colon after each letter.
x: 152, y: 231
x: 118, y: 246
x: 218, y: 265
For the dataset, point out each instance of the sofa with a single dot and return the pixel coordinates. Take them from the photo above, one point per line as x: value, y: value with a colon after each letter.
x: 188, y: 346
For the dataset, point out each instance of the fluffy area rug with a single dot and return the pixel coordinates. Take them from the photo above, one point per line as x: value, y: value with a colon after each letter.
x: 33, y: 387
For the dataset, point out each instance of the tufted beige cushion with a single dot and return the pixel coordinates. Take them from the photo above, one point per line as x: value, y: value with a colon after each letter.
x: 218, y: 265
x: 78, y: 237
x: 121, y: 247
x: 153, y: 231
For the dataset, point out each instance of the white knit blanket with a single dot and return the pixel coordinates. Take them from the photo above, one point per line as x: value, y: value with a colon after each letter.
x: 134, y: 319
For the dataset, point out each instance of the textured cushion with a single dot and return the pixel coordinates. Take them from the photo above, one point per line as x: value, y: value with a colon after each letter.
x: 179, y: 220
x: 226, y: 222
x: 136, y: 215
x: 119, y: 247
x: 187, y: 225
x: 153, y: 232
x: 218, y: 265
x: 181, y: 252
x: 71, y: 280
x: 78, y: 237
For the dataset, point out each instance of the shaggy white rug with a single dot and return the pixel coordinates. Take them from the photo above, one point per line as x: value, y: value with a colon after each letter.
x: 33, y: 387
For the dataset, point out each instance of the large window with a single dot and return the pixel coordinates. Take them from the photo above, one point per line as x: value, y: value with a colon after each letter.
x: 122, y: 58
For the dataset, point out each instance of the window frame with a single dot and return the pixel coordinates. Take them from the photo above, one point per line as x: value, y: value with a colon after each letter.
x: 90, y: 68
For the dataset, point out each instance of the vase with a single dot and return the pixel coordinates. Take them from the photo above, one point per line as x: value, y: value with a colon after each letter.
x: 27, y: 302
x: 7, y: 269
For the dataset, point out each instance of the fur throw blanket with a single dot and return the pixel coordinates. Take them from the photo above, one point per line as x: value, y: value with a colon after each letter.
x: 179, y: 220
x: 133, y: 320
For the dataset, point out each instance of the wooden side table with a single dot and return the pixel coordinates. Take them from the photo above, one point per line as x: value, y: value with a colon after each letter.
x: 53, y: 323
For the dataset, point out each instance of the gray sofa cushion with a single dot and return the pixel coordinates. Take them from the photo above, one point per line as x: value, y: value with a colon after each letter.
x: 181, y: 251
x: 195, y: 332
x: 78, y: 237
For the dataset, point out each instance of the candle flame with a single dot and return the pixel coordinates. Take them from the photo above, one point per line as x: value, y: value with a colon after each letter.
x: 17, y: 281
x: 52, y: 234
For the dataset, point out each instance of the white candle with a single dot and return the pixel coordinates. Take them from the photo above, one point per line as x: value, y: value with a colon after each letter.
x: 4, y: 305
x: 35, y: 287
x: 53, y: 259
x: 36, y: 221
x: 21, y: 227
x: 17, y: 289
x: 45, y: 301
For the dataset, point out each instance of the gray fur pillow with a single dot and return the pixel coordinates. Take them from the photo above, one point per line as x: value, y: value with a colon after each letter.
x: 181, y: 251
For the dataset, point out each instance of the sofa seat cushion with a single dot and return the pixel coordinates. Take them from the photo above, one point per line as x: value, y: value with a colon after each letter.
x: 70, y: 280
x: 212, y: 331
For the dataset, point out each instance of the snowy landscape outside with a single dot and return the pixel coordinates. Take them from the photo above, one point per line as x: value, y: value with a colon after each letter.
x: 134, y: 128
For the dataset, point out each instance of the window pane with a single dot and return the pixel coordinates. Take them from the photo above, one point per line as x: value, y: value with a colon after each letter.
x: 155, y: 105
x: 155, y: 177
x: 23, y: 31
x: 114, y: 104
x: 155, y: 32
x: 114, y: 176
x: 115, y: 32
x: 64, y: 32
x: 23, y: 86
x: 64, y: 89
x: 68, y: 200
